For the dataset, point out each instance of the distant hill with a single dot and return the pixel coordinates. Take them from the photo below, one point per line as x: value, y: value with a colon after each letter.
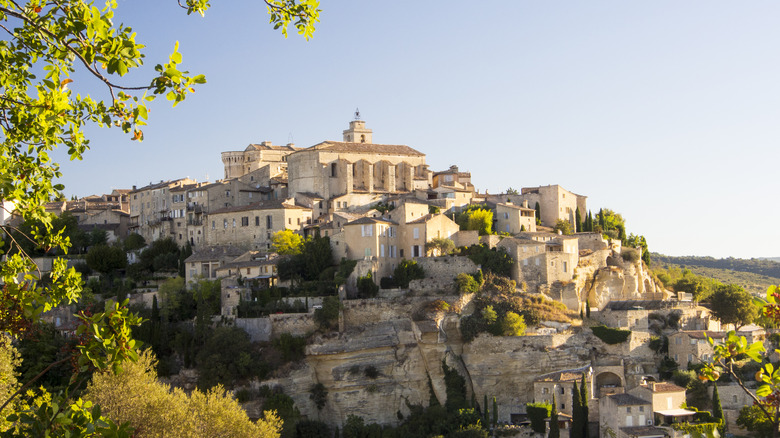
x: 774, y: 259
x: 755, y: 275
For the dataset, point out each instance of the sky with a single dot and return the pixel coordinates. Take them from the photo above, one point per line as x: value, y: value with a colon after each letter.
x: 663, y: 111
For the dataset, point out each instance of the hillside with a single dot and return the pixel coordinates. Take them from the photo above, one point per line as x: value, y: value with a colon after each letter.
x: 755, y: 275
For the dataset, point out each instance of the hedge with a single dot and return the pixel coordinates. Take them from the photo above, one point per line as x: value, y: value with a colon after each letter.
x: 537, y: 413
x: 611, y: 335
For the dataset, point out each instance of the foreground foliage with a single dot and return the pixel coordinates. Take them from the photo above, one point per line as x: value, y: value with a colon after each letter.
x: 154, y: 410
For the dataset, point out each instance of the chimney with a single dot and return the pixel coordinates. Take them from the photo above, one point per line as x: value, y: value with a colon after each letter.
x: 525, y: 203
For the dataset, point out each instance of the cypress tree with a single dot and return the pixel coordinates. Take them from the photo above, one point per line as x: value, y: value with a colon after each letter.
x: 154, y: 323
x: 717, y: 410
x: 576, y: 413
x: 577, y: 221
x: 538, y: 213
x: 487, y: 413
x: 601, y: 219
x: 584, y: 396
x: 495, y: 412
x: 555, y: 431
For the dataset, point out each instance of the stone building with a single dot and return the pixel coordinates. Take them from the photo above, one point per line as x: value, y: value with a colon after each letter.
x: 555, y: 203
x: 561, y: 384
x: 150, y: 208
x: 356, y: 165
x: 254, y: 157
x: 619, y: 414
x: 252, y: 226
x: 205, y: 262
x: 513, y: 219
x: 542, y: 258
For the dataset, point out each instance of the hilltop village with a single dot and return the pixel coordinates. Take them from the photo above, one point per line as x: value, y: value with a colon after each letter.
x: 418, y: 285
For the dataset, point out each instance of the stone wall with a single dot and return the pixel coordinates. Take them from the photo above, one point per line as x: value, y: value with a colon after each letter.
x: 592, y: 241
x: 466, y: 238
x: 145, y: 299
x: 259, y: 329
x: 296, y: 324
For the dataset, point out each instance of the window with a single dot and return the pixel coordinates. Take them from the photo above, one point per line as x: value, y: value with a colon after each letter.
x: 269, y: 221
x: 234, y: 222
x: 506, y: 215
x: 366, y: 230
x: 565, y: 267
x: 525, y: 262
x: 333, y: 169
x: 416, y: 232
x: 641, y: 409
x: 257, y: 221
x: 628, y: 410
x: 563, y: 390
x: 289, y: 221
x: 545, y: 390
x: 245, y: 221
x: 401, y: 252
x: 367, y: 252
x: 537, y: 262
x: 382, y: 250
x: 224, y: 223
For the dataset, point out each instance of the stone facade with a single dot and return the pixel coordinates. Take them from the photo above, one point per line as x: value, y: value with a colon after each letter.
x: 555, y: 203
x: 252, y: 226
x: 512, y: 219
x: 254, y: 157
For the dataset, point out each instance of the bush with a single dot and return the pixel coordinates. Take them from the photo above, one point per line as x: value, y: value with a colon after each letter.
x: 290, y: 346
x: 387, y: 283
x: 630, y: 255
x: 328, y: 315
x: 537, y: 413
x: 312, y: 429
x: 407, y: 271
x: 366, y: 286
x: 611, y: 335
x: 466, y: 284
x: 371, y: 372
x: 319, y: 395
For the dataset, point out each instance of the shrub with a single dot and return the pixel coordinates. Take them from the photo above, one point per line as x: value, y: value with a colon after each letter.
x: 328, y: 315
x: 371, y: 372
x: 407, y: 271
x: 630, y: 255
x: 611, y: 335
x: 366, y: 286
x: 537, y: 413
x: 466, y: 284
x: 312, y: 429
x: 319, y: 395
x: 387, y: 283
x: 290, y: 346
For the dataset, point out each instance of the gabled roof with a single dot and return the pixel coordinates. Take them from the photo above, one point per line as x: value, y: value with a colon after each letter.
x: 365, y: 148
x: 270, y: 147
x: 701, y: 334
x: 663, y: 387
x: 212, y: 253
x: 571, y: 375
x: 260, y: 205
x: 627, y: 400
x: 370, y: 220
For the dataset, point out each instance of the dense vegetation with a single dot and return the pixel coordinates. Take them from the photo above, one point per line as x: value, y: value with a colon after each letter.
x: 755, y: 275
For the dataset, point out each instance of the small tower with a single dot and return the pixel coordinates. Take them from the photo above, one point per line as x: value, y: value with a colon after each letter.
x: 357, y: 132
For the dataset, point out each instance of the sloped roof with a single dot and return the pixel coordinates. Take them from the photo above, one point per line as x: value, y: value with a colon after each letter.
x: 271, y: 147
x: 260, y: 205
x: 370, y: 220
x: 627, y: 400
x: 212, y: 253
x: 570, y: 375
x: 365, y: 148
x: 664, y: 387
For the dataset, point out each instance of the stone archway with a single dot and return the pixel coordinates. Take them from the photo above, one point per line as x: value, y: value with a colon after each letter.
x: 608, y: 383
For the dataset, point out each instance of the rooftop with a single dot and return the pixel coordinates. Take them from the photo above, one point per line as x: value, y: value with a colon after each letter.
x: 365, y: 148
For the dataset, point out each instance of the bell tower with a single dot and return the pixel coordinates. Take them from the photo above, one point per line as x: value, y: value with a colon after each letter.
x: 357, y: 132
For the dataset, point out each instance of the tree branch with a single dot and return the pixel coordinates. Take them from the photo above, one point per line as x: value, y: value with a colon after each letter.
x: 31, y: 381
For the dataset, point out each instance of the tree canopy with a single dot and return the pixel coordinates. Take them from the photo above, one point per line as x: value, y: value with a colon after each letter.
x: 731, y: 304
x: 41, y: 109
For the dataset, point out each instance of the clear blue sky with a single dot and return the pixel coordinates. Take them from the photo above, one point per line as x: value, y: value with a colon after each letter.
x: 664, y: 111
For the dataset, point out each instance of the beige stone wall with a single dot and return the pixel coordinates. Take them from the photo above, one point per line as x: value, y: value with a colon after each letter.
x: 330, y: 174
x: 296, y: 324
x: 512, y: 219
x: 228, y: 228
x: 259, y: 329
